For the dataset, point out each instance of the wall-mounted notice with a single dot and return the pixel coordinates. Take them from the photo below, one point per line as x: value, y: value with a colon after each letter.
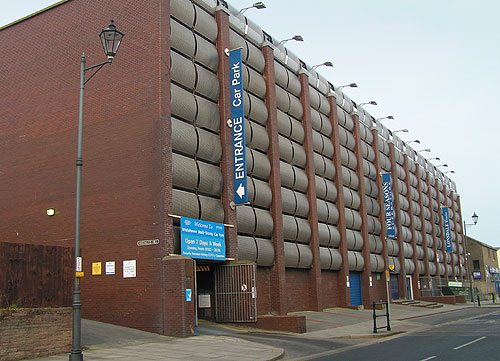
x: 129, y: 269
x: 388, y: 205
x: 96, y: 268
x: 110, y: 267
x: 446, y: 228
x: 202, y: 239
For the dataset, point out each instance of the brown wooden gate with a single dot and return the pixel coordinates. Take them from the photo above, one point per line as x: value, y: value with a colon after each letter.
x: 235, y: 293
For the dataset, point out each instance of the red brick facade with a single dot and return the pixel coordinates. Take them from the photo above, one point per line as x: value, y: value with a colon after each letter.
x: 127, y: 189
x: 34, y: 332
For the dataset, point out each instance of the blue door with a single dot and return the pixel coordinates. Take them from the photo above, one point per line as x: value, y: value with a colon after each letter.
x: 394, y: 287
x: 355, y: 286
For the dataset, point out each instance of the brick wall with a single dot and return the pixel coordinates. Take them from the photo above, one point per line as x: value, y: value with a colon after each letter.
x: 330, y: 287
x: 122, y: 169
x: 298, y: 287
x: 32, y: 332
x: 264, y: 290
x: 379, y: 290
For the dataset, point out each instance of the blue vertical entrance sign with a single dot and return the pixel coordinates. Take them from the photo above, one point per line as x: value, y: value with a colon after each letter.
x: 388, y: 205
x: 238, y: 126
x: 446, y: 226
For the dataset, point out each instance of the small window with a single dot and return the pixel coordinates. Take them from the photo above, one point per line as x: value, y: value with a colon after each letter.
x: 475, y: 264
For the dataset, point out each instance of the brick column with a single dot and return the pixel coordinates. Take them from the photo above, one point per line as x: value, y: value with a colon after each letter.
x: 179, y: 313
x: 344, y: 292
x: 449, y: 254
x: 443, y: 246
x: 226, y: 165
x: 381, y: 216
x: 395, y: 189
x: 422, y: 219
x: 416, y: 274
x: 315, y: 272
x: 278, y: 272
x: 366, y: 273
x: 457, y: 244
x: 433, y: 227
x: 163, y: 155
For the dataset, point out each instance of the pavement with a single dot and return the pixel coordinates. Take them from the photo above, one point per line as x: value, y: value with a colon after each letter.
x: 108, y: 342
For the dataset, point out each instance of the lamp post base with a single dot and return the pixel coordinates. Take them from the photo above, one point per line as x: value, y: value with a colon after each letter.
x: 76, y: 356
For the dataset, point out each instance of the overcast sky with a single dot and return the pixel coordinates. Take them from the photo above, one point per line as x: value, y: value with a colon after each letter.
x: 433, y: 65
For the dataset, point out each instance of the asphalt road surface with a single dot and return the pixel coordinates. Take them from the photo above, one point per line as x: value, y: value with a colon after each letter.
x: 467, y: 335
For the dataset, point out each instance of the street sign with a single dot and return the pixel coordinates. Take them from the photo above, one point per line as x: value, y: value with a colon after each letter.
x: 189, y: 294
x: 202, y: 239
x: 238, y: 127
x: 148, y: 242
x: 446, y: 227
x: 390, y: 224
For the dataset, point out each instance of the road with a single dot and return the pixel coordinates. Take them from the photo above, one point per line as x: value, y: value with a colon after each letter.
x: 469, y: 335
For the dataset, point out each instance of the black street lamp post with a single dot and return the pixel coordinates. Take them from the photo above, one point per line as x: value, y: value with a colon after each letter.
x: 475, y: 218
x: 110, y: 38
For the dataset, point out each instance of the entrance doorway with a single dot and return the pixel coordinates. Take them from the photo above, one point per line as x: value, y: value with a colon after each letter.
x: 355, y: 288
x: 205, y: 297
x: 235, y: 293
x: 394, y: 286
x: 409, y: 288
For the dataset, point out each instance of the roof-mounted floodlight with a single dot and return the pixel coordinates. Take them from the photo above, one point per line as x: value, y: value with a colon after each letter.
x: 257, y: 5
x: 371, y: 102
x: 351, y: 85
x: 296, y: 38
x: 387, y: 117
x: 400, y: 131
x: 326, y: 63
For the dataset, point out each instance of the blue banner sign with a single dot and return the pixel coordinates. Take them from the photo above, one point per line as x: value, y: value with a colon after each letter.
x: 390, y: 224
x: 446, y: 227
x: 202, y: 239
x: 238, y: 126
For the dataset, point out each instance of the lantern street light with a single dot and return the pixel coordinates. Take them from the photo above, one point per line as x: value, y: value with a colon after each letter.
x: 424, y: 150
x: 442, y: 165
x: 435, y: 158
x: 257, y: 5
x: 449, y: 171
x: 351, y: 85
x: 296, y: 38
x: 110, y: 39
x: 475, y: 218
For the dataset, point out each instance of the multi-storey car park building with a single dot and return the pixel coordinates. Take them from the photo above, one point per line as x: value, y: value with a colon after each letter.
x: 157, y: 145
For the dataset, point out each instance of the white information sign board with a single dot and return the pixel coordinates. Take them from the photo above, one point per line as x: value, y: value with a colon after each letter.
x: 129, y: 268
x: 110, y: 267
